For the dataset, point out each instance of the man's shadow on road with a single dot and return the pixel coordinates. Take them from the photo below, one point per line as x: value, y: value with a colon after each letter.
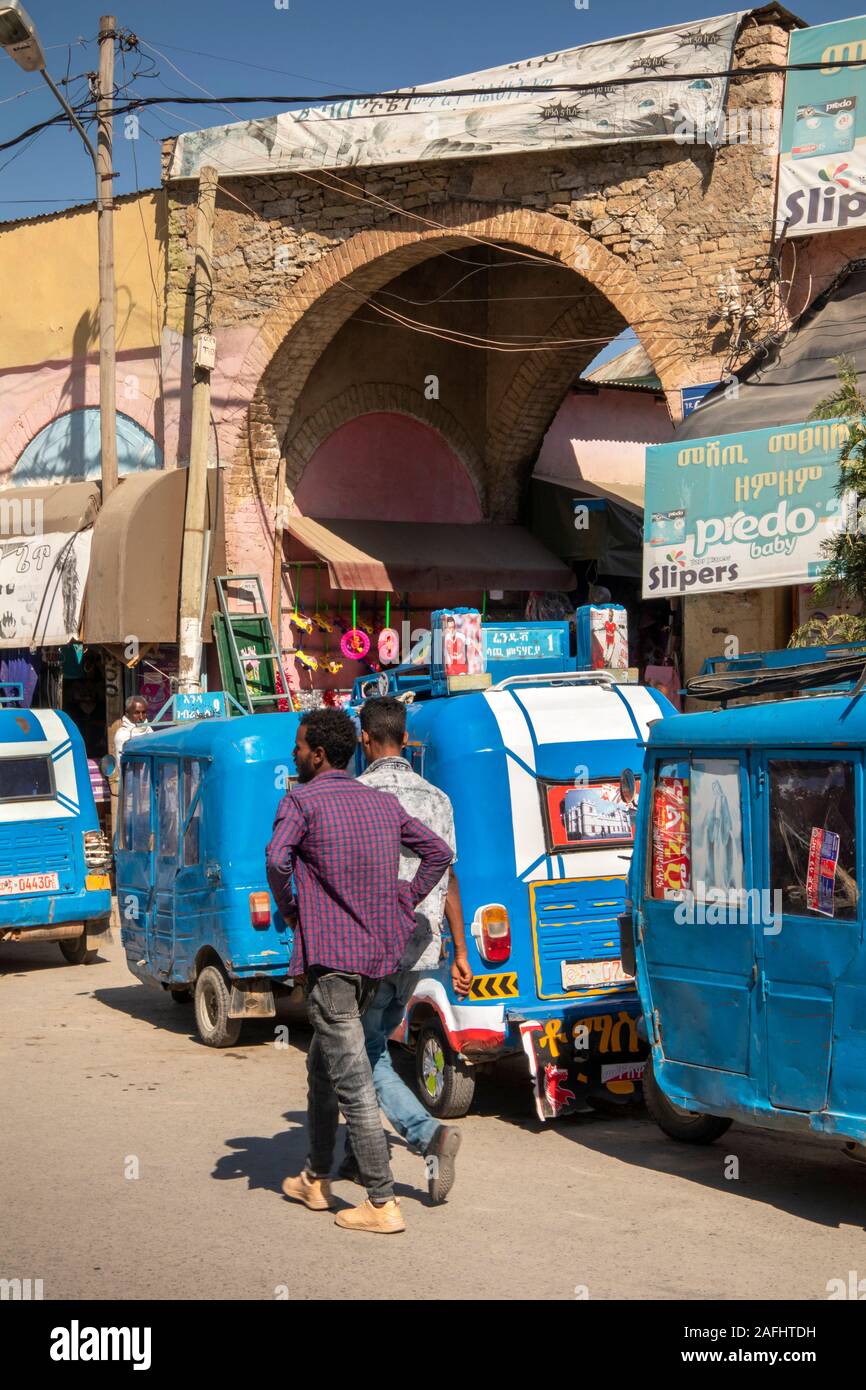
x: 266, y: 1162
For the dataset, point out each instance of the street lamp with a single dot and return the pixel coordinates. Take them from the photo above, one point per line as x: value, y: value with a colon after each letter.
x: 19, y: 37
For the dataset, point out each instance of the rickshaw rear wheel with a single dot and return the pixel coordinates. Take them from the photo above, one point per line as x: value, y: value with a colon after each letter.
x: 212, y: 999
x: 446, y: 1083
x: 676, y: 1123
x: 74, y: 950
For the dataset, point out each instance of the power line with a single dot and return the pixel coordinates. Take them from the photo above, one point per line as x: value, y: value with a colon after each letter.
x: 242, y: 62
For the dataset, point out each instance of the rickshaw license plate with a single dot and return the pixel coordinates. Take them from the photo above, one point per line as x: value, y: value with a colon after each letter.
x: 591, y: 972
x: 29, y: 883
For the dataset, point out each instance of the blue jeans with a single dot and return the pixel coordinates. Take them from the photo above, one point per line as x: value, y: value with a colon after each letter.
x: 402, y: 1107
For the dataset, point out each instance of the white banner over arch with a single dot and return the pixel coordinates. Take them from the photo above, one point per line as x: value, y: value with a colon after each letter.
x: 684, y: 92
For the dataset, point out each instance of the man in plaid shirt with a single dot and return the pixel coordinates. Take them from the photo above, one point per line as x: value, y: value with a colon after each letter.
x: 352, y: 917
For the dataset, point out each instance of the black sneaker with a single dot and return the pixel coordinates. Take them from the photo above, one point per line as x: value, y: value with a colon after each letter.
x: 439, y: 1157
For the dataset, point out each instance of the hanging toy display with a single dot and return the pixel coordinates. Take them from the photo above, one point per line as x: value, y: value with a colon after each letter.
x: 355, y: 644
x: 302, y: 623
x: 321, y: 620
x: 388, y: 642
x: 327, y: 663
x: 311, y: 662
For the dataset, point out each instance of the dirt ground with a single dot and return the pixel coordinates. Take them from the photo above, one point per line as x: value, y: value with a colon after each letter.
x: 139, y: 1164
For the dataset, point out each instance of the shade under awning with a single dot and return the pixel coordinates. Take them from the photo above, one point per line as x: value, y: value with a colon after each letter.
x: 133, y: 585
x: 396, y: 556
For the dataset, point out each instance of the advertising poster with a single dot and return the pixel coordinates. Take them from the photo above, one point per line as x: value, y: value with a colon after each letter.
x: 608, y: 639
x: 744, y: 511
x: 717, y: 827
x: 588, y: 815
x: 462, y: 650
x: 408, y: 126
x: 822, y: 162
x: 821, y: 872
x: 42, y: 582
x: 671, y: 866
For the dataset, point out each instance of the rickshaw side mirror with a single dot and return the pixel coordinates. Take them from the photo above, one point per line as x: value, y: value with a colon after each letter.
x: 108, y: 765
x: 627, y: 786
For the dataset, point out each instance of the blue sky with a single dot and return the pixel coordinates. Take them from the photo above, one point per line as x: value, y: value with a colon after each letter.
x: 319, y: 46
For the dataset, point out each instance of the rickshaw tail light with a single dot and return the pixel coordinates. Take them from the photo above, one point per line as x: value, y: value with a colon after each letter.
x: 495, y: 933
x: 260, y: 909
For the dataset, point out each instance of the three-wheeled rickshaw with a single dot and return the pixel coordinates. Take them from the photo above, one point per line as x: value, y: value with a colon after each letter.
x: 531, y: 760
x: 746, y: 918
x: 197, y: 807
x: 54, y: 859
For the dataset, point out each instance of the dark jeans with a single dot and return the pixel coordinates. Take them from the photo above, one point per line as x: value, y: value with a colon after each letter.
x: 340, y: 1078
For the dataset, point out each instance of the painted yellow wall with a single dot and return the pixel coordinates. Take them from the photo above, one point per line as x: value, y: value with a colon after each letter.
x: 52, y: 264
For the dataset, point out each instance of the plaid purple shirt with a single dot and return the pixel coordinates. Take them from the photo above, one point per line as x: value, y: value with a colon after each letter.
x: 341, y: 840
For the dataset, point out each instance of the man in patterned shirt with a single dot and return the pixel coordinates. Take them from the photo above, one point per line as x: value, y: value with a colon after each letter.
x: 383, y: 736
x: 340, y: 842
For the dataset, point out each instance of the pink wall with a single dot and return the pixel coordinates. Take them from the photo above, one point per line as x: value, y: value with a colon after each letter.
x: 390, y: 467
x: 603, y: 437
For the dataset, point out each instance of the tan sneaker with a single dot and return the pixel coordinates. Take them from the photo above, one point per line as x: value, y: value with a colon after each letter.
x: 315, y: 1193
x: 386, y: 1220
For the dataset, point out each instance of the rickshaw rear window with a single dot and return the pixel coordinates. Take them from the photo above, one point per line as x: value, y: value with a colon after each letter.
x: 696, y: 829
x: 26, y: 779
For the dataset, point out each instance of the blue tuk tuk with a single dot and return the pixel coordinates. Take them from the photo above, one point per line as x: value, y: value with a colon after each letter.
x: 532, y: 764
x: 197, y: 807
x: 746, y: 915
x: 54, y: 859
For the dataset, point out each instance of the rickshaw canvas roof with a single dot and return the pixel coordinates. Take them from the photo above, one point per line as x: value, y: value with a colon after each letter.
x: 834, y: 720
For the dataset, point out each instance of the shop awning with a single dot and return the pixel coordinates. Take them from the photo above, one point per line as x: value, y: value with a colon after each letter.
x: 56, y: 507
x: 133, y: 584
x: 387, y: 556
x: 45, y: 539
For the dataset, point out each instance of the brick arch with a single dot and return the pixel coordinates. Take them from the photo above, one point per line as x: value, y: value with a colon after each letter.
x: 327, y: 294
x: 302, y: 442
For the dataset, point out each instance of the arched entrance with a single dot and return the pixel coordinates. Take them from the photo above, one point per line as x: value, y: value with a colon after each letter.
x: 296, y: 334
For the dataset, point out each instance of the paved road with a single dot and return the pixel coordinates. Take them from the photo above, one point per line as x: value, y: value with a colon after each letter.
x: 102, y: 1076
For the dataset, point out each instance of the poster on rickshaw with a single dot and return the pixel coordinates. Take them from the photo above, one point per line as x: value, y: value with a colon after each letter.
x: 671, y: 848
x: 821, y: 871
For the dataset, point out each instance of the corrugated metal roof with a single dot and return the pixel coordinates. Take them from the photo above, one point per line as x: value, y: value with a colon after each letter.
x: 629, y: 368
x: 6, y: 223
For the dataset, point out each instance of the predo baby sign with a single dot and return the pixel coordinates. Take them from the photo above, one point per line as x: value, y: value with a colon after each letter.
x: 742, y: 511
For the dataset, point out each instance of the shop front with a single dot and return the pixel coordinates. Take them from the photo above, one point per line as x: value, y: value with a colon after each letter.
x: 89, y: 598
x: 740, y: 503
x: 359, y: 594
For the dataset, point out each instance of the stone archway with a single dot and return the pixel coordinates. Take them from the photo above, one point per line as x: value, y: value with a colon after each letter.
x: 294, y: 335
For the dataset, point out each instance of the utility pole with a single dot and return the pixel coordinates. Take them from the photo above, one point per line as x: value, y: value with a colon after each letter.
x: 19, y: 37
x: 192, y: 575
x: 105, y: 228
